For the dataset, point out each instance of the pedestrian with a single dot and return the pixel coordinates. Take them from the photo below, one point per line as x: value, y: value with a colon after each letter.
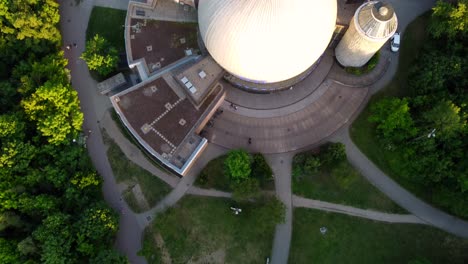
x: 74, y: 45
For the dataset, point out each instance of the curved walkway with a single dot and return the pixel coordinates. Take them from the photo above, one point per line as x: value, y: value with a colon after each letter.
x: 291, y: 131
x: 398, y: 194
x: 344, y: 209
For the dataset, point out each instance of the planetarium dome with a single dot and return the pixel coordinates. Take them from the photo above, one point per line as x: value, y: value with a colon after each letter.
x: 266, y: 41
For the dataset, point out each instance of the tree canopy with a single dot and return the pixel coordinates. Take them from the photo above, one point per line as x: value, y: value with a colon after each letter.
x: 237, y: 165
x: 428, y: 131
x: 100, y: 56
x: 51, y: 207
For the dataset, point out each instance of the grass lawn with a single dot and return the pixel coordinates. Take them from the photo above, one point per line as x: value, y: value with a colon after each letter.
x: 343, y: 184
x: 127, y: 172
x: 199, y: 226
x: 108, y: 23
x: 213, y: 176
x: 356, y: 240
x: 363, y: 133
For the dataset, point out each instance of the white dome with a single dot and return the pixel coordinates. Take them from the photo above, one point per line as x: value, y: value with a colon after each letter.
x: 266, y: 40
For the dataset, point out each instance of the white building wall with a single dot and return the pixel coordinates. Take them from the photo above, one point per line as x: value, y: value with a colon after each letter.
x: 355, y: 49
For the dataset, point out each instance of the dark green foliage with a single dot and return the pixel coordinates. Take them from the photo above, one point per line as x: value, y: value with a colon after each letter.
x: 51, y: 208
x: 269, y: 212
x: 312, y: 165
x: 246, y: 190
x: 237, y: 165
x: 261, y: 170
x: 109, y: 256
x: 449, y: 20
x: 215, y: 175
x: 333, y: 153
x: 423, y: 138
x: 393, y: 119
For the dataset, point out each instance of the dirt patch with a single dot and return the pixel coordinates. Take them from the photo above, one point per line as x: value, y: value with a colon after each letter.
x: 216, y: 257
x: 141, y: 200
x: 165, y: 256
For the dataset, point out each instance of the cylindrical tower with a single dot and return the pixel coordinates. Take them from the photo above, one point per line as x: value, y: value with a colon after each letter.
x: 372, y: 25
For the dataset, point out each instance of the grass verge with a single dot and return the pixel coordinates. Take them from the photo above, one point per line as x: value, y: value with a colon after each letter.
x: 343, y: 184
x: 108, y: 23
x: 197, y: 227
x: 370, y: 65
x: 363, y: 133
x: 125, y: 171
x: 356, y: 240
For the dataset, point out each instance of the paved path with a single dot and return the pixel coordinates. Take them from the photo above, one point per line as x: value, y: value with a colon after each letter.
x: 398, y: 194
x: 211, y: 152
x: 344, y: 209
x: 208, y: 192
x: 281, y: 166
x: 74, y: 21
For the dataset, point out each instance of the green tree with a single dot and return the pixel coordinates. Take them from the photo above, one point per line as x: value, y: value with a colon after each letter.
x: 96, y: 228
x: 8, y: 253
x: 393, y: 119
x: 333, y: 153
x: 30, y: 19
x: 446, y: 118
x: 27, y: 247
x: 261, y: 170
x: 448, y: 19
x: 312, y: 164
x: 56, y: 110
x: 269, y: 213
x: 56, y: 239
x: 10, y: 219
x: 109, y: 256
x: 237, y: 165
x: 100, y: 56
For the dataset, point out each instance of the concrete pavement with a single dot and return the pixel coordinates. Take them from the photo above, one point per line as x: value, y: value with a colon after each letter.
x: 281, y: 166
x: 73, y: 24
x: 353, y: 211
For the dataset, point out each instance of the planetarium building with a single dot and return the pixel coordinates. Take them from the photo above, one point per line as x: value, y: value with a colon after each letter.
x: 266, y: 41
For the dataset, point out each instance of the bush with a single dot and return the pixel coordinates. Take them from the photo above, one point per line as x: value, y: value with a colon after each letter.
x: 100, y: 56
x: 334, y: 152
x: 237, y: 165
x: 312, y: 165
x: 269, y: 212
